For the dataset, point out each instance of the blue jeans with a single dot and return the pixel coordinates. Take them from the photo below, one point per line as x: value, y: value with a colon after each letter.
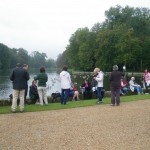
x: 138, y: 89
x: 64, y: 95
x: 99, y: 92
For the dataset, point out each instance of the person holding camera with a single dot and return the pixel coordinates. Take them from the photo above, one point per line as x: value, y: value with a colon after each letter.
x: 99, y: 76
x: 115, y: 85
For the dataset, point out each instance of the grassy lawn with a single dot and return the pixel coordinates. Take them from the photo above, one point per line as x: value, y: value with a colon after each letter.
x: 73, y: 104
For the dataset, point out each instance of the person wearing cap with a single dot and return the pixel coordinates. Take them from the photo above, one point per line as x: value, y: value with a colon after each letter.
x: 19, y: 78
x: 99, y: 76
x: 134, y: 87
x: 115, y: 84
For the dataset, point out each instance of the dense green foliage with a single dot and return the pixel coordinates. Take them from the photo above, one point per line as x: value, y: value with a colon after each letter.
x: 10, y: 57
x: 123, y: 39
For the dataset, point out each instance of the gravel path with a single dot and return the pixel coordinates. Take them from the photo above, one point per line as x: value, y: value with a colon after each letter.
x: 100, y: 127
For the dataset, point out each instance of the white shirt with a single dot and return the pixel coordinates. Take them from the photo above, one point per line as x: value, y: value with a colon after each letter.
x: 65, y: 80
x: 99, y: 79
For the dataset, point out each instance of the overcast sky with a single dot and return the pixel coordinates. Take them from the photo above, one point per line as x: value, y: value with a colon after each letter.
x: 47, y: 25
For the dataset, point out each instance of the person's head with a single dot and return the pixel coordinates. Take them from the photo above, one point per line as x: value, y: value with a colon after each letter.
x: 146, y: 70
x: 25, y: 66
x: 132, y: 78
x: 42, y: 69
x: 34, y: 82
x: 96, y: 70
x: 18, y: 65
x: 65, y: 68
x: 86, y: 81
x: 115, y: 67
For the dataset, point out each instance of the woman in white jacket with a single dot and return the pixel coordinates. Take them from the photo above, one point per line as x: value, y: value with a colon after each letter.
x: 134, y: 86
x: 65, y: 85
x: 99, y: 76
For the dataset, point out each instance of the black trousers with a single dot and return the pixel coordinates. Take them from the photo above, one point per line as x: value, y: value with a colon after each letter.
x: 115, y: 95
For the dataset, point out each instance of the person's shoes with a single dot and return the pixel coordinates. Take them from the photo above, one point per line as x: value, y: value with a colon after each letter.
x: 112, y: 104
x: 37, y: 103
x: 118, y: 104
x: 13, y: 111
x: 99, y: 102
x: 21, y: 111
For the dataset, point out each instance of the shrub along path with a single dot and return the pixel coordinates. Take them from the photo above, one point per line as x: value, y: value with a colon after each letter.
x: 100, y: 127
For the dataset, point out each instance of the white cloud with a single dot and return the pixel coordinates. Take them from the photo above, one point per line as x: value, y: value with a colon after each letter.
x: 46, y: 25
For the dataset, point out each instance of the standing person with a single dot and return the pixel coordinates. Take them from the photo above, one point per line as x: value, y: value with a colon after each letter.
x: 19, y: 77
x: 42, y: 79
x: 65, y: 81
x: 115, y: 84
x: 146, y: 78
x: 99, y: 76
x: 25, y: 66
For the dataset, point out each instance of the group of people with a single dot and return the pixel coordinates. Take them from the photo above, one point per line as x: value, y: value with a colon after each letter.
x: 19, y: 78
x: 37, y: 93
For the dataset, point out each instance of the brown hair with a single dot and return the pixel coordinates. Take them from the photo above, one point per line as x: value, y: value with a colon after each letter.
x: 65, y: 68
x: 42, y: 69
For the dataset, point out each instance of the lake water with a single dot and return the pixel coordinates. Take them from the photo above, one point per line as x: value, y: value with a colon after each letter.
x: 53, y: 83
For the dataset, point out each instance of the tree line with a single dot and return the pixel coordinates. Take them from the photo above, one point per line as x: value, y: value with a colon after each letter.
x: 10, y: 57
x: 122, y: 39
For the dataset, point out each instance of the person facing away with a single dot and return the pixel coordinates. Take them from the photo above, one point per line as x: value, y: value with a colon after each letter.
x: 42, y: 78
x: 115, y: 84
x: 99, y: 76
x: 19, y: 77
x: 134, y: 87
x: 65, y: 81
x: 25, y: 66
x: 33, y: 92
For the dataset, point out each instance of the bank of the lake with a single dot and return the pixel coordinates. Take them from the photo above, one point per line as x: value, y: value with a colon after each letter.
x: 74, y: 104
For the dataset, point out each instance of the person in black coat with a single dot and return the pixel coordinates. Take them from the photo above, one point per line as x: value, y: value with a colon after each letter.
x: 33, y: 92
x: 19, y: 78
x: 87, y: 94
x: 115, y: 85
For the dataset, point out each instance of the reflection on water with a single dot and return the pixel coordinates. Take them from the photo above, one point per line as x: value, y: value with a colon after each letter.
x: 53, y: 83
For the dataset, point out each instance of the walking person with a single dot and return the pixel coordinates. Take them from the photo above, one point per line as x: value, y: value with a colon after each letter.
x: 65, y: 81
x: 99, y: 76
x: 115, y: 84
x: 25, y: 66
x: 42, y: 79
x: 19, y: 77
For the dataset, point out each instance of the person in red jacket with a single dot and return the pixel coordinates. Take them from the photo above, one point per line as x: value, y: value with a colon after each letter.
x: 124, y: 87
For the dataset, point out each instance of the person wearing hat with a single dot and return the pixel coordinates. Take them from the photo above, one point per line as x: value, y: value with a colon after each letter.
x: 115, y: 84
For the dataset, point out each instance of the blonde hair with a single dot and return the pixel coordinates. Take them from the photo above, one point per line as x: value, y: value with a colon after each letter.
x: 96, y: 70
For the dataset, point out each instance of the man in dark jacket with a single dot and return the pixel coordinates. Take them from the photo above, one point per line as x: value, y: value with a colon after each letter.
x: 115, y: 84
x: 19, y: 77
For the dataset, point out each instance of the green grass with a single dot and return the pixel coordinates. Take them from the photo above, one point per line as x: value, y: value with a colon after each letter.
x: 72, y: 104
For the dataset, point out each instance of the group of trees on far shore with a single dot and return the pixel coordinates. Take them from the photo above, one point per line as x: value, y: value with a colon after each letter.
x: 10, y: 57
x: 122, y: 39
